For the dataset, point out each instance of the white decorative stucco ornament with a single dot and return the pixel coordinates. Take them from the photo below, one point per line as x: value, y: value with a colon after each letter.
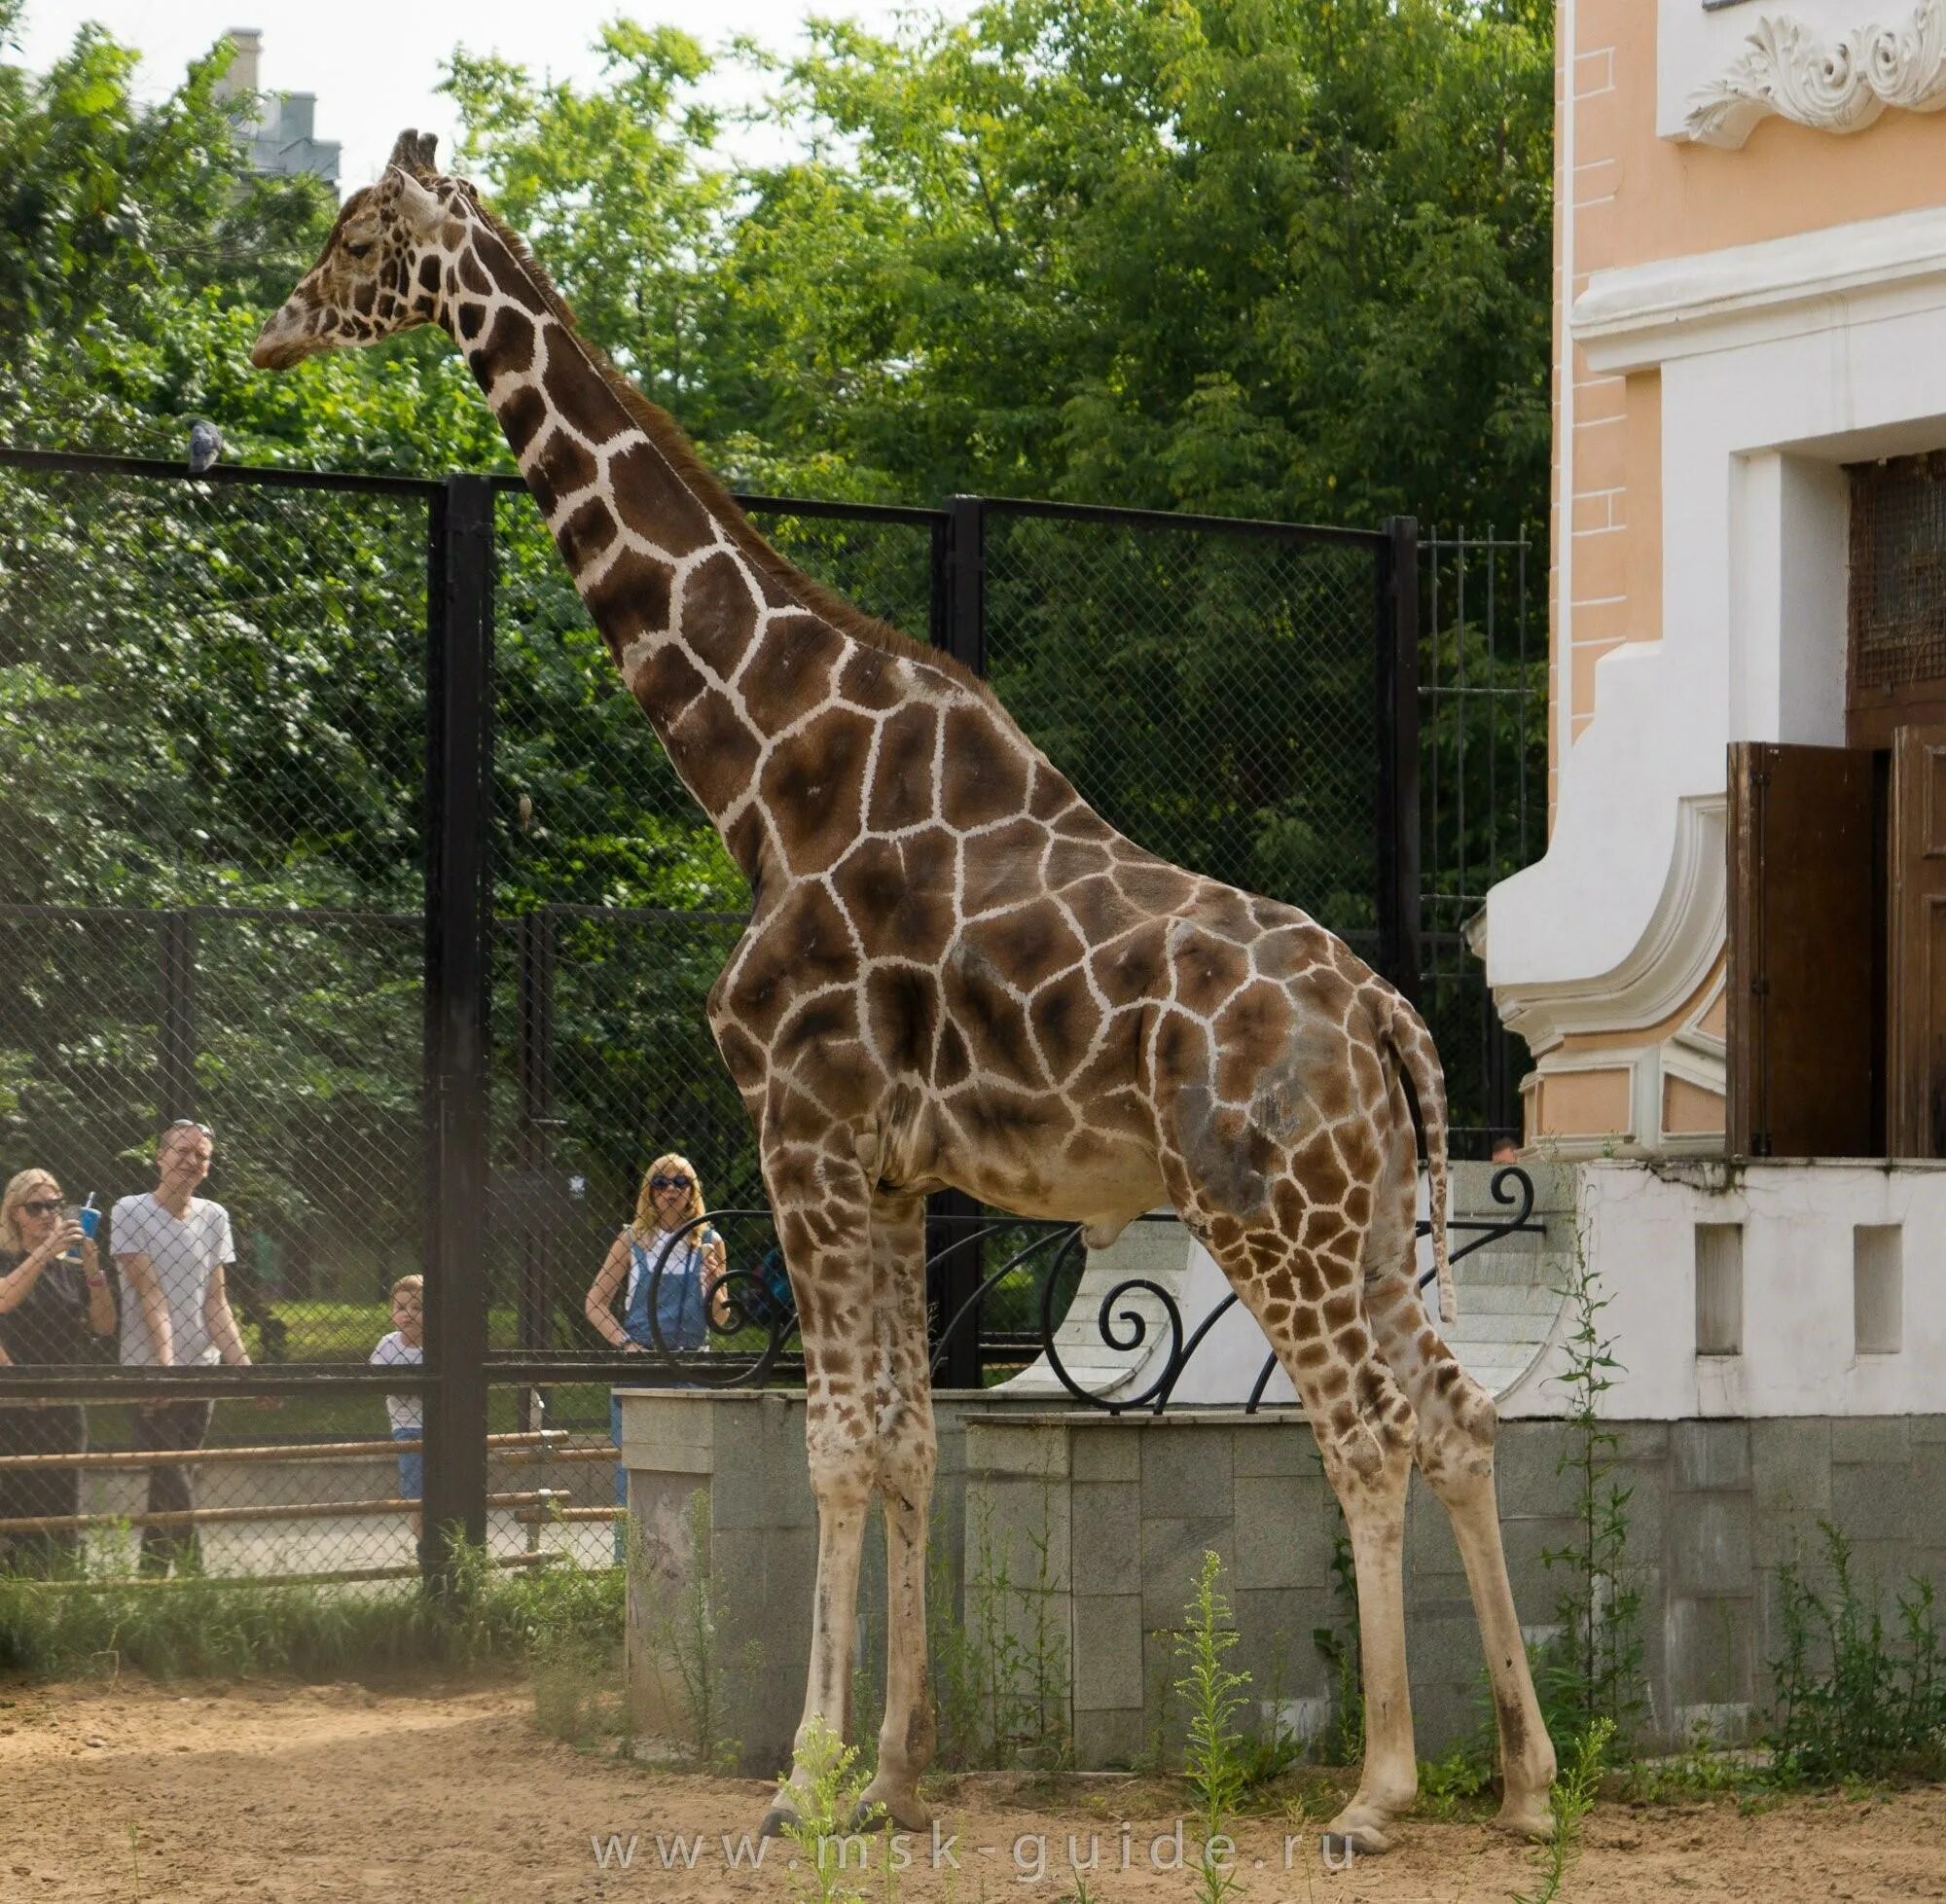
x: 1841, y: 85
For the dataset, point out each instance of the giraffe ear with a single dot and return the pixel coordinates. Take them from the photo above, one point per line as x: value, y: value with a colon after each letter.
x: 418, y: 207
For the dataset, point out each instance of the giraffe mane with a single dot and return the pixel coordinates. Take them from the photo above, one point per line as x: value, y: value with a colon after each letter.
x: 662, y: 430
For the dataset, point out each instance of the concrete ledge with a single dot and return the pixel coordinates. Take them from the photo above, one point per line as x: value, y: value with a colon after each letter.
x: 1099, y: 1523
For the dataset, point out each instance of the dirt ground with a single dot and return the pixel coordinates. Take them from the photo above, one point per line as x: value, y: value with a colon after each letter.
x: 131, y: 1792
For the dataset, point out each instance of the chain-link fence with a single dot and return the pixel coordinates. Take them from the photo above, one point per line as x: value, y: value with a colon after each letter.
x: 1483, y: 752
x: 335, y: 835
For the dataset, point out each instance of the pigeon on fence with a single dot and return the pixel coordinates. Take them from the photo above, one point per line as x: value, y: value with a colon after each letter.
x: 205, y: 445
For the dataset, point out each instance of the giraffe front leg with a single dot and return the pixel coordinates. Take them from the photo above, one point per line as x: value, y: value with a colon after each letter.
x: 827, y: 1245
x: 907, y: 1455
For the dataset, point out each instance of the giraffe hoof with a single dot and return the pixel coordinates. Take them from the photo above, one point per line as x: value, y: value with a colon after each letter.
x: 901, y: 1809
x: 1355, y: 1832
x: 776, y: 1822
x: 1531, y: 1817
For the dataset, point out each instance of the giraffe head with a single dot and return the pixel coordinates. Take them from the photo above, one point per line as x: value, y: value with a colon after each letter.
x: 383, y: 266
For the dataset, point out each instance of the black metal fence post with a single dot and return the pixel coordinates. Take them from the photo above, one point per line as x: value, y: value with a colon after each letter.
x: 536, y: 1121
x: 458, y: 884
x: 175, y: 1041
x: 1397, y: 637
x: 951, y: 1246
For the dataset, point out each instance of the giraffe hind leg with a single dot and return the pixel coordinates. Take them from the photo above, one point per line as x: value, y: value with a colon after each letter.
x: 1454, y: 1452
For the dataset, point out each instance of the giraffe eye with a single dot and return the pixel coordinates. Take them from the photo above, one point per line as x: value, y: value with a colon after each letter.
x: 358, y: 250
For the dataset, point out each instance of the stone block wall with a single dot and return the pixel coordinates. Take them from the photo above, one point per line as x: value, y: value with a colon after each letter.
x: 1101, y: 1522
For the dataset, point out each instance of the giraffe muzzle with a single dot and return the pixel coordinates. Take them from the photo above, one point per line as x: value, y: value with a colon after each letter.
x: 282, y: 343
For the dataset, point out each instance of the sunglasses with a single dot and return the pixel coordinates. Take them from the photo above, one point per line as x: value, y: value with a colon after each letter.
x: 42, y: 1206
x: 187, y: 1124
x: 672, y: 1183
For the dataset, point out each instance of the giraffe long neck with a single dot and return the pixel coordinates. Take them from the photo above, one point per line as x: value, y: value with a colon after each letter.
x: 719, y: 656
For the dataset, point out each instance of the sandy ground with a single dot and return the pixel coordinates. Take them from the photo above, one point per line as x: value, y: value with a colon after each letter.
x: 136, y: 1792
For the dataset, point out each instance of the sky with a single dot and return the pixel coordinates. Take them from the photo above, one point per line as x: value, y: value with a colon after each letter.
x: 374, y: 63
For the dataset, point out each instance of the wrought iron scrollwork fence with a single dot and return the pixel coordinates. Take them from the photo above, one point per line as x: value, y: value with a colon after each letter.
x: 754, y: 1325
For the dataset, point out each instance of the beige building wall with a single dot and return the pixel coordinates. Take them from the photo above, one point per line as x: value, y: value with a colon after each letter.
x: 1629, y: 194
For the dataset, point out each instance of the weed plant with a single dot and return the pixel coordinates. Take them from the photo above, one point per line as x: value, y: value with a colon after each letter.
x: 1213, y: 1763
x: 1001, y: 1673
x: 1571, y: 1800
x: 1851, y: 1703
x: 827, y: 1809
x: 1342, y: 1740
x: 1594, y: 1669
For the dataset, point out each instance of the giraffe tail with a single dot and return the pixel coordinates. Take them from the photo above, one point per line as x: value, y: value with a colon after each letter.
x: 1411, y: 1045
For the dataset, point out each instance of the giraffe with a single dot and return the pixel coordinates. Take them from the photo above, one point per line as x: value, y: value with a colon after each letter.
x: 956, y: 973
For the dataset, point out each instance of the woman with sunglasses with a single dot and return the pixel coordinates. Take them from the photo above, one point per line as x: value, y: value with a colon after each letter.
x: 670, y: 1197
x: 686, y: 1292
x: 48, y: 1307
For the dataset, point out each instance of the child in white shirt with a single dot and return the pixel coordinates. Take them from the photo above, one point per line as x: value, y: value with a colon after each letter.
x: 405, y: 1347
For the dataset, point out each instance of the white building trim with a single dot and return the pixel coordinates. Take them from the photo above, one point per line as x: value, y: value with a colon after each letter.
x: 1779, y: 363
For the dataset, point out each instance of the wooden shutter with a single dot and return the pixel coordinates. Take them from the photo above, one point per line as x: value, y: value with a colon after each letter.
x: 1803, y: 987
x: 1916, y: 1026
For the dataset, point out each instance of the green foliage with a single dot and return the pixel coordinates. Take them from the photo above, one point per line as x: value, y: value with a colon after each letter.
x: 1001, y: 1670
x: 1342, y: 1742
x: 1594, y: 1671
x: 1853, y: 1701
x: 1214, y: 1761
x: 1571, y: 1800
x: 827, y: 1796
x: 199, y: 1624
x: 685, y: 1650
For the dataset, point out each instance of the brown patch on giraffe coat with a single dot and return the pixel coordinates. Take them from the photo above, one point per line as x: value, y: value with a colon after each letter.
x: 792, y: 670
x: 563, y: 467
x: 632, y: 598
x: 1065, y: 1019
x: 1126, y: 971
x: 902, y: 1017
x: 1070, y: 860
x: 1155, y: 885
x: 508, y: 347
x: 1082, y: 822
x: 472, y: 276
x: 668, y: 680
x: 1250, y: 1032
x: 977, y: 1002
x: 1024, y: 944
x: 719, y: 612
x: 504, y: 275
x: 802, y: 945
x: 1002, y: 867
x: 899, y: 895
x: 953, y: 1064
x: 1101, y: 914
x: 901, y: 793
x: 986, y: 775
x: 870, y: 679
x: 1208, y: 971
x: 654, y: 503
x: 1048, y: 794
x: 521, y: 416
x: 713, y: 748
x: 584, y: 536
x: 818, y: 776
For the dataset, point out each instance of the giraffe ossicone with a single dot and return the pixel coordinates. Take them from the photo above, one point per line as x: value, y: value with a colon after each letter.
x: 957, y: 973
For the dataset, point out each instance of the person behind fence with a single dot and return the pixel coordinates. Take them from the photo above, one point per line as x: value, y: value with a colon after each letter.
x: 54, y: 1297
x: 671, y: 1196
x: 174, y: 1250
x: 405, y: 1347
